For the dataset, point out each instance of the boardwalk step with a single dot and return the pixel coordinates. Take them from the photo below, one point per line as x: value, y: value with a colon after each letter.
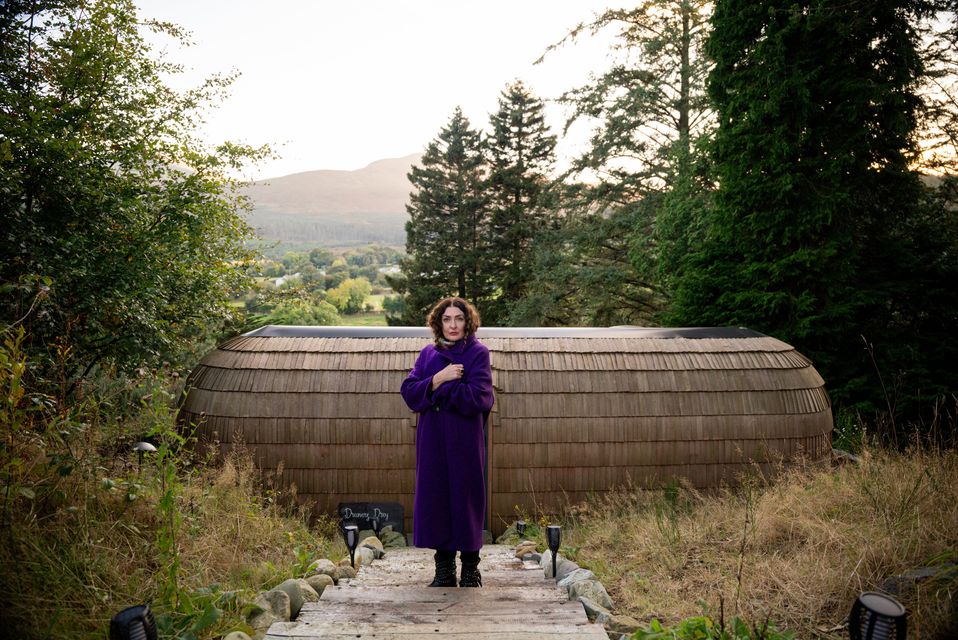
x: 387, y: 601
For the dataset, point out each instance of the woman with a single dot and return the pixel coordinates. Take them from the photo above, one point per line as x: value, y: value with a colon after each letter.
x: 450, y: 387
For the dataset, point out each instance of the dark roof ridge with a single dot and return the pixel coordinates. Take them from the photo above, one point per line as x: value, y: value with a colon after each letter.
x: 626, y: 331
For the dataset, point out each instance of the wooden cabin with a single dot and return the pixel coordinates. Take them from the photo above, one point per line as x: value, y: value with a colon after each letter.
x: 578, y: 410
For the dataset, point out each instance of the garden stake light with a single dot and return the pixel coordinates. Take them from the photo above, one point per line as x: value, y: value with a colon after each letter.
x: 133, y: 623
x: 520, y: 527
x: 141, y: 448
x: 351, y: 532
x: 554, y: 535
x: 875, y: 616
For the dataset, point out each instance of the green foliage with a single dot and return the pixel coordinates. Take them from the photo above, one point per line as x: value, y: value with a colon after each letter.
x: 446, y: 235
x: 350, y: 296
x: 705, y: 628
x: 651, y: 120
x: 650, y: 107
x: 820, y: 234
x: 583, y: 275
x: 82, y: 516
x: 299, y: 311
x: 521, y: 157
x: 105, y: 193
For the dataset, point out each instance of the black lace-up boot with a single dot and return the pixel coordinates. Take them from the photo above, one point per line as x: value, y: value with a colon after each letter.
x: 470, y: 576
x: 445, y: 569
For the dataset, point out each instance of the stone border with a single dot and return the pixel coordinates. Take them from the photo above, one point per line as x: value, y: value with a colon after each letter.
x: 582, y: 585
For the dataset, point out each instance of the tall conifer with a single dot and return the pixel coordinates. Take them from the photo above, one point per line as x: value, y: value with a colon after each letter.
x: 521, y: 155
x: 446, y: 235
x: 816, y: 220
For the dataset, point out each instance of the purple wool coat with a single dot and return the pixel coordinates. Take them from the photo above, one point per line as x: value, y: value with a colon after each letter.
x: 450, y: 504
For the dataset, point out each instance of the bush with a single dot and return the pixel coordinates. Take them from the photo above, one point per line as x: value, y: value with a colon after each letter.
x: 87, y: 531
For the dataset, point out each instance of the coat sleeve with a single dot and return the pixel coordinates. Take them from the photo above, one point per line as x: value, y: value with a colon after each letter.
x: 473, y: 393
x: 416, y: 389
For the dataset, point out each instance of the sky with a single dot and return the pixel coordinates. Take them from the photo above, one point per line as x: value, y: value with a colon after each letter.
x: 339, y: 84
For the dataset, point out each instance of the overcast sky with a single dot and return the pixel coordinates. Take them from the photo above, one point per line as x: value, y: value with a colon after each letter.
x: 337, y: 85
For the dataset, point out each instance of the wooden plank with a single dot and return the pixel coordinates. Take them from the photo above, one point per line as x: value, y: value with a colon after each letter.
x: 458, y: 627
x: 388, y: 600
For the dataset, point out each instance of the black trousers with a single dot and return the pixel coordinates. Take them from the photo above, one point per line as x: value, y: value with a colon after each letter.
x: 467, y: 557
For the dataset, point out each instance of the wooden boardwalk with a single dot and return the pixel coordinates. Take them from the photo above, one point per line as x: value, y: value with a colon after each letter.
x: 388, y: 601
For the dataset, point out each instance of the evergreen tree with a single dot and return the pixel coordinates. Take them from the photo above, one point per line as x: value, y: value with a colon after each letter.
x: 521, y: 154
x: 447, y: 231
x: 649, y: 114
x: 650, y: 107
x: 818, y: 221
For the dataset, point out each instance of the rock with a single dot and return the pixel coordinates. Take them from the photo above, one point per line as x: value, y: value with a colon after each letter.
x: 507, y: 535
x: 294, y: 589
x: 840, y: 456
x: 545, y: 558
x: 564, y: 567
x: 347, y: 572
x: 269, y: 607
x: 236, y: 635
x: 591, y: 589
x: 575, y: 576
x: 323, y: 567
x: 367, y: 533
x: 372, y: 541
x: 535, y: 557
x: 393, y: 539
x: 364, y: 555
x: 309, y: 594
x: 319, y: 582
x: 592, y: 609
x: 623, y: 625
x: 486, y: 536
x: 377, y: 551
x: 615, y: 635
x: 525, y: 548
x: 903, y: 585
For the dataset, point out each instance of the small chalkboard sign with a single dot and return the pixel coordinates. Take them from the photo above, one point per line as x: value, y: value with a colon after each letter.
x: 362, y: 514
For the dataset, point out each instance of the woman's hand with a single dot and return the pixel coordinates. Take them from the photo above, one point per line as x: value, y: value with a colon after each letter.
x: 450, y: 373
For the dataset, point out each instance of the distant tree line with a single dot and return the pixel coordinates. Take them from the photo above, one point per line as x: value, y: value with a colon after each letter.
x: 790, y: 167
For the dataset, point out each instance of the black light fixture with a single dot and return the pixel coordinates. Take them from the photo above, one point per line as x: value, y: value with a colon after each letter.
x: 133, y: 623
x: 520, y: 527
x: 554, y: 536
x: 141, y: 448
x: 351, y: 533
x: 875, y: 616
x: 376, y: 526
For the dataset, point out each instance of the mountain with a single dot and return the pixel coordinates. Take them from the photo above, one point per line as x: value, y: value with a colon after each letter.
x: 335, y: 208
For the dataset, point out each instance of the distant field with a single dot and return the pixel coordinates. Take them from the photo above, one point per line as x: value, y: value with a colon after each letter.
x: 376, y: 300
x: 364, y: 320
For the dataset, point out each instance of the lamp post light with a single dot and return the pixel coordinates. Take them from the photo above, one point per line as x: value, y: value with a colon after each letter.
x: 875, y: 616
x: 351, y: 533
x: 133, y: 623
x: 554, y: 537
x: 376, y: 526
x: 141, y: 448
x: 520, y: 527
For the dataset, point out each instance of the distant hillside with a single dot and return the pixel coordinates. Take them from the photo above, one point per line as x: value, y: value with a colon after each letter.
x: 335, y: 208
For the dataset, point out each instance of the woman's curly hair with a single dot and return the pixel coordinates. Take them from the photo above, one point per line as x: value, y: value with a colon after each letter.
x: 434, y: 318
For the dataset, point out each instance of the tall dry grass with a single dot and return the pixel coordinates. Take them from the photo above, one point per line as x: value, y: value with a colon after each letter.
x: 796, y: 550
x: 86, y: 532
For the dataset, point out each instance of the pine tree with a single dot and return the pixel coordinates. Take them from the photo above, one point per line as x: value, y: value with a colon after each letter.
x: 447, y: 234
x: 521, y: 155
x: 649, y: 115
x: 650, y: 107
x: 813, y: 238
